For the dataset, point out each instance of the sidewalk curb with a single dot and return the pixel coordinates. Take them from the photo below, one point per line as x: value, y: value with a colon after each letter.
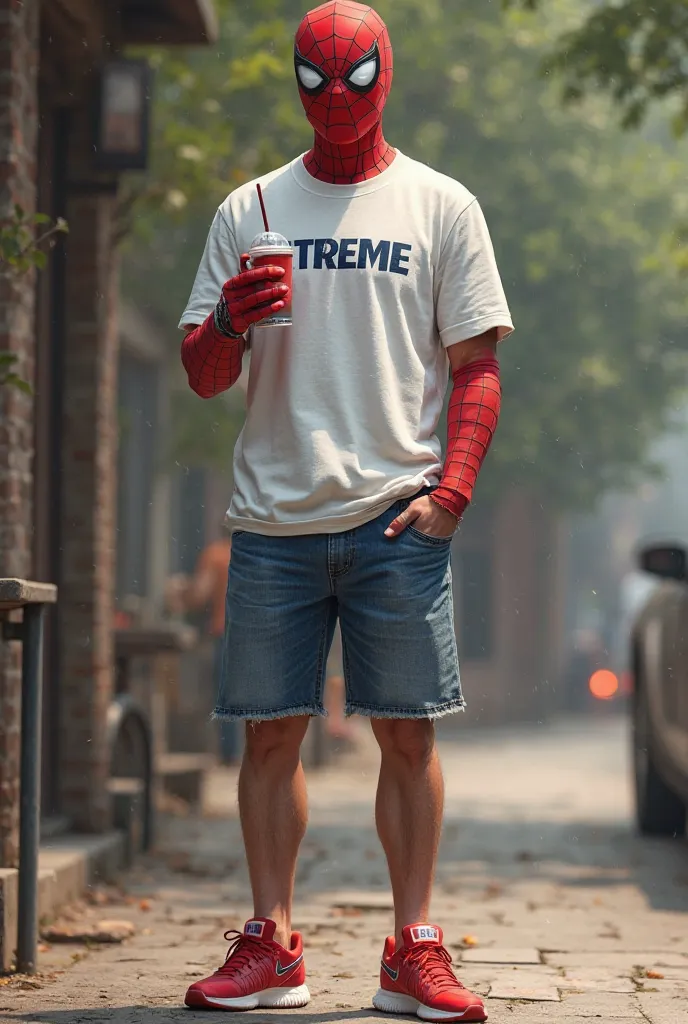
x: 67, y: 865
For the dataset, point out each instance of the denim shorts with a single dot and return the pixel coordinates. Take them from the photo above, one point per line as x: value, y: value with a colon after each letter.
x: 393, y: 600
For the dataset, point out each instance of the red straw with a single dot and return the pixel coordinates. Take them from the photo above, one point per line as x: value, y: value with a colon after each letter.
x: 262, y: 207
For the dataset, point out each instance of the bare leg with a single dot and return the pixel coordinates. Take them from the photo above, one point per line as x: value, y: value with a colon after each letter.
x: 274, y: 811
x: 408, y: 812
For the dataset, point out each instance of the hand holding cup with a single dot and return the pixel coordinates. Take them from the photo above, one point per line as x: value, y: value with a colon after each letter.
x: 254, y: 294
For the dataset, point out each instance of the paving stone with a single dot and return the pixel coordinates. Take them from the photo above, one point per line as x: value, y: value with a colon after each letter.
x: 607, y: 1005
x: 591, y: 981
x: 522, y: 990
x: 603, y: 897
x: 360, y: 900
x: 549, y: 1013
x: 500, y: 956
x: 660, y: 1009
x: 621, y: 961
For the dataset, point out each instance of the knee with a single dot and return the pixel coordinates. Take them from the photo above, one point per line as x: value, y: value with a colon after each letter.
x: 410, y: 739
x: 275, y: 741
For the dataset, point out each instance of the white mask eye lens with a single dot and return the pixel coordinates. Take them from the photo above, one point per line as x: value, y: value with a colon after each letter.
x: 309, y: 78
x: 363, y: 75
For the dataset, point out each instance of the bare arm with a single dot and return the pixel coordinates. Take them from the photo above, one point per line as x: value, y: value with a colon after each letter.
x: 464, y: 352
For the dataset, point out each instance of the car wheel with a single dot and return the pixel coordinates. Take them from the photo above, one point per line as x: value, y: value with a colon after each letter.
x: 659, y: 811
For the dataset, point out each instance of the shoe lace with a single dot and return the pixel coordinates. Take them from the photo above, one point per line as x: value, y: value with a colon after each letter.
x: 434, y: 964
x: 244, y: 952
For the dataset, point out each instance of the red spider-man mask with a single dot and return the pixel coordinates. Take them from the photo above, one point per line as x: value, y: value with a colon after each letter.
x: 343, y: 60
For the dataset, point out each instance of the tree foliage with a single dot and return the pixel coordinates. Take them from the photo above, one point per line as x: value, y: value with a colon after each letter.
x: 635, y: 51
x: 581, y: 215
x: 22, y: 247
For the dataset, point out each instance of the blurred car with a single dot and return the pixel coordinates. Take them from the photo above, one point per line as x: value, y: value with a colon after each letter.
x: 659, y: 667
x: 634, y: 593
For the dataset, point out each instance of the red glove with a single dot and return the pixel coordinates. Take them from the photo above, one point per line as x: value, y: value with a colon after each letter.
x: 212, y: 353
x: 471, y: 422
x: 243, y: 302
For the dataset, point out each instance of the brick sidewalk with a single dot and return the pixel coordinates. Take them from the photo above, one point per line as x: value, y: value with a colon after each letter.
x: 552, y: 908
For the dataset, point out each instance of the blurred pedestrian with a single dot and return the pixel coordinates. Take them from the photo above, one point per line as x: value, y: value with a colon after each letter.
x: 343, y: 508
x: 206, y: 590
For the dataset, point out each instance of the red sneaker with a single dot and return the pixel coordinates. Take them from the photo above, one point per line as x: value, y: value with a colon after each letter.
x: 257, y: 972
x: 418, y: 978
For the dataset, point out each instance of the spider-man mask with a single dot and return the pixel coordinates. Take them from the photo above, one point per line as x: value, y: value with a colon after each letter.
x: 343, y: 60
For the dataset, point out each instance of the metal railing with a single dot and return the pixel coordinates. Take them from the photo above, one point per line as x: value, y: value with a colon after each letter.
x: 31, y: 598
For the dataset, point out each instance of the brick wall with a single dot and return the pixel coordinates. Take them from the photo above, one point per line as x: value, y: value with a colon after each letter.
x: 89, y: 439
x: 18, y: 128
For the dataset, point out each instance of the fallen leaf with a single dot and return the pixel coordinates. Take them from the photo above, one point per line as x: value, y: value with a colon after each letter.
x: 145, y: 905
x: 470, y: 940
x: 344, y: 974
x: 43, y: 947
x: 654, y: 974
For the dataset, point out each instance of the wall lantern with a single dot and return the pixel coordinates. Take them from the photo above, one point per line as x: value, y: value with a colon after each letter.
x: 123, y: 115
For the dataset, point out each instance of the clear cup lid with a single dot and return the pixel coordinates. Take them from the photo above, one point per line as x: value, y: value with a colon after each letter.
x: 269, y: 240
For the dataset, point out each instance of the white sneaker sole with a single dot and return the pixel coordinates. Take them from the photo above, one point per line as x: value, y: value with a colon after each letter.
x: 268, y: 999
x: 397, y: 1002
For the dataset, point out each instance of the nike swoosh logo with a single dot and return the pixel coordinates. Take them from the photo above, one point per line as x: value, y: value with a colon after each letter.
x: 394, y: 975
x: 279, y: 970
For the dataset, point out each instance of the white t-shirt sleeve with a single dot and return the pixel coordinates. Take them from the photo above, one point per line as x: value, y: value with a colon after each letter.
x: 469, y: 297
x: 219, y: 262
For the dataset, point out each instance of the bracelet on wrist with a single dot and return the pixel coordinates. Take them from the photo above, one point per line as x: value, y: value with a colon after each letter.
x: 223, y: 321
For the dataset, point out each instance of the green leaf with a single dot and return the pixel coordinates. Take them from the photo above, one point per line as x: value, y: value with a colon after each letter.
x: 21, y: 385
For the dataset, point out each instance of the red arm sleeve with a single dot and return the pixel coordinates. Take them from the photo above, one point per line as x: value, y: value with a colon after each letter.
x: 212, y: 361
x: 471, y: 422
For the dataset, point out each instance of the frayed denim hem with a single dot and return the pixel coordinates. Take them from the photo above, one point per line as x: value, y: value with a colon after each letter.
x: 261, y: 715
x: 438, y: 711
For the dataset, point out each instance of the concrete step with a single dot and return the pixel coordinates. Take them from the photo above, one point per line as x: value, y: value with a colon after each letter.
x: 67, y: 866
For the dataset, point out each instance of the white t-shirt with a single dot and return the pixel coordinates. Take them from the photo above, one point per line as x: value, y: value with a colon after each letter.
x: 343, y: 406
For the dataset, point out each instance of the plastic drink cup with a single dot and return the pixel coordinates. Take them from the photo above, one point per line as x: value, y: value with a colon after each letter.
x: 270, y: 249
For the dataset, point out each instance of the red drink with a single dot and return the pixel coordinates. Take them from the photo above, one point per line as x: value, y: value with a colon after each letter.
x: 273, y: 250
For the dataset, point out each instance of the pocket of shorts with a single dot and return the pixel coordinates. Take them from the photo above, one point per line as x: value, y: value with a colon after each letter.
x: 425, y: 538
